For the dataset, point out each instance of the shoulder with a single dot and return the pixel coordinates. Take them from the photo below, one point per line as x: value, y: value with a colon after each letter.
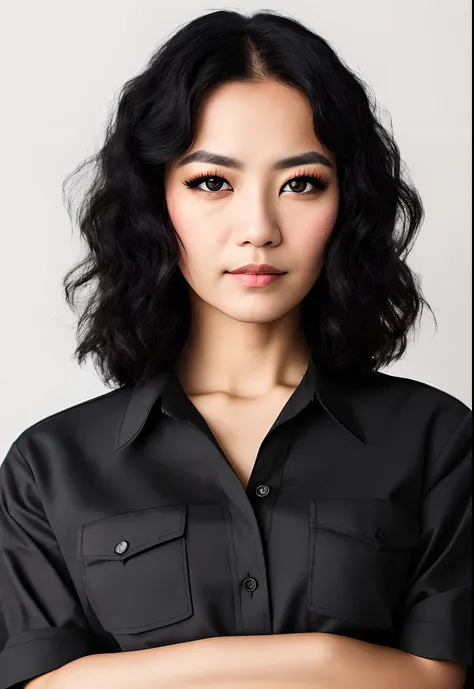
x: 401, y: 412
x: 388, y: 391
x: 87, y: 427
x: 417, y: 395
x: 426, y: 413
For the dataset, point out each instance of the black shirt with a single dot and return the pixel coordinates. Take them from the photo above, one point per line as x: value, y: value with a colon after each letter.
x: 123, y: 526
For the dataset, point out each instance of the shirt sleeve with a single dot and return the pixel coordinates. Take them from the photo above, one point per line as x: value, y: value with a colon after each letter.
x: 42, y: 624
x: 434, y: 620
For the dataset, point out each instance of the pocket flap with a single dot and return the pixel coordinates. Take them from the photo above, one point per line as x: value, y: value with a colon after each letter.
x: 131, y: 532
x: 373, y: 520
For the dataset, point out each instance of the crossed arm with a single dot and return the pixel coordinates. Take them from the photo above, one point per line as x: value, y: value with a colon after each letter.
x: 324, y: 661
x: 280, y: 661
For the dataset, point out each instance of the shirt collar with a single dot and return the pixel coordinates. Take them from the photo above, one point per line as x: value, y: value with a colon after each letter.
x: 315, y: 382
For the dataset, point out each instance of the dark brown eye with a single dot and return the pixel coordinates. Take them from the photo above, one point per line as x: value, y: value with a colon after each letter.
x: 298, y: 184
x: 212, y: 181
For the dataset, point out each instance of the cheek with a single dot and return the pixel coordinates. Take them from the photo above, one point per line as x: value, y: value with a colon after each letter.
x: 312, y: 237
x: 200, y: 244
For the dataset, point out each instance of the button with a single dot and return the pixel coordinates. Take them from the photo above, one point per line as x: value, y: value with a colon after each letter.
x: 121, y: 547
x: 262, y: 491
x: 250, y: 584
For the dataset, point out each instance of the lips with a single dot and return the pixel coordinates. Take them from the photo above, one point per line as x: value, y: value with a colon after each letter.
x: 257, y: 279
x: 257, y: 269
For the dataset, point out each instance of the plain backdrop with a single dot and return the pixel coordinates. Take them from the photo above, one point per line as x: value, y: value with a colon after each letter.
x: 62, y: 65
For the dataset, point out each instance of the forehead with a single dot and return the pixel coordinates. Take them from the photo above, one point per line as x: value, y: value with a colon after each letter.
x: 256, y: 123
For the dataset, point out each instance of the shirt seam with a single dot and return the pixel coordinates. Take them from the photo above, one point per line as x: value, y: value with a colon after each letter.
x: 57, y: 413
x: 450, y: 437
x: 11, y: 504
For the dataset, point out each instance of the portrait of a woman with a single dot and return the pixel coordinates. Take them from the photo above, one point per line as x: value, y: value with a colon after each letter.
x: 254, y: 504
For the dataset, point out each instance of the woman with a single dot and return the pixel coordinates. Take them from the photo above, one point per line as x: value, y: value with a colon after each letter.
x: 255, y: 499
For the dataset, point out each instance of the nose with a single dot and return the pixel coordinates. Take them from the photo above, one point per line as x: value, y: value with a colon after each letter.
x: 259, y: 223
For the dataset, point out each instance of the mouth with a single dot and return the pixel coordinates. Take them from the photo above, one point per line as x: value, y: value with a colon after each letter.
x: 257, y: 269
x: 256, y: 279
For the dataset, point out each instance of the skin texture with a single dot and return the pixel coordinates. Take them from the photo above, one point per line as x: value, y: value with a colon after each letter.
x: 244, y: 341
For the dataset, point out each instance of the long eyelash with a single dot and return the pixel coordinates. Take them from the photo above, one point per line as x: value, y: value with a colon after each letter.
x: 198, y: 179
x: 313, y: 178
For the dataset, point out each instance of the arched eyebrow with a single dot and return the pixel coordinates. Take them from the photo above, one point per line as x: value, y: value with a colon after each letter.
x: 203, y: 156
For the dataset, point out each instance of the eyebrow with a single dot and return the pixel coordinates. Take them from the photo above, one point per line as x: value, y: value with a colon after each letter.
x: 203, y: 156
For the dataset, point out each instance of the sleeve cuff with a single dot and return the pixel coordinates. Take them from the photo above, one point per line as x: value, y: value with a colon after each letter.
x: 42, y: 651
x: 436, y: 640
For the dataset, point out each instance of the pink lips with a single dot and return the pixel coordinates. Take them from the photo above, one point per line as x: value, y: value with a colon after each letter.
x: 256, y: 279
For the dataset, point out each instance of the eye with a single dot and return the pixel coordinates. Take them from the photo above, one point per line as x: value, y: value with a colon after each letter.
x: 315, y: 180
x: 215, y: 180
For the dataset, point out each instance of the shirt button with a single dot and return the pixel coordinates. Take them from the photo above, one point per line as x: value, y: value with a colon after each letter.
x: 250, y: 584
x: 262, y: 491
x: 121, y: 547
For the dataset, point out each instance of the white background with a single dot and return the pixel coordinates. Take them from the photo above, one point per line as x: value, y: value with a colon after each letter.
x: 62, y: 65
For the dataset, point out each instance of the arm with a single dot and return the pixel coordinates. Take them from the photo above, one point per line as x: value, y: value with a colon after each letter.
x: 280, y: 661
x: 177, y: 666
x: 323, y: 661
x: 372, y: 666
x: 288, y: 661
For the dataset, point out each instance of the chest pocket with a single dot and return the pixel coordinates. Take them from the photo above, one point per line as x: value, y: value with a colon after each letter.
x: 360, y: 551
x: 135, y: 568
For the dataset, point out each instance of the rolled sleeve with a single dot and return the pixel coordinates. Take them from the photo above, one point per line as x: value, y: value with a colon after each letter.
x: 434, y: 620
x: 42, y: 624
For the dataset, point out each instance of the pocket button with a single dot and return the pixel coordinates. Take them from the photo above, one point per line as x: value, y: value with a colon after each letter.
x: 121, y: 547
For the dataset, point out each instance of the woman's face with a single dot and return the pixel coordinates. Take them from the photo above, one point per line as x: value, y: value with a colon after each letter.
x: 253, y: 212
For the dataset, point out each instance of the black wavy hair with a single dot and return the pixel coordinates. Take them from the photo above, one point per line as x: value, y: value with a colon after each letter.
x: 358, y: 313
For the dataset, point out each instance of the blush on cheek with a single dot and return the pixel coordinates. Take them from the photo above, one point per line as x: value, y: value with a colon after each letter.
x: 326, y: 221
x: 315, y: 234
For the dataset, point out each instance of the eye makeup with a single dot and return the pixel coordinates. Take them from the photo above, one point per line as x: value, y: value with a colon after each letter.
x: 315, y: 179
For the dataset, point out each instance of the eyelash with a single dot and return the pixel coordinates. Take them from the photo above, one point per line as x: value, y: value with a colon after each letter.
x: 315, y: 179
